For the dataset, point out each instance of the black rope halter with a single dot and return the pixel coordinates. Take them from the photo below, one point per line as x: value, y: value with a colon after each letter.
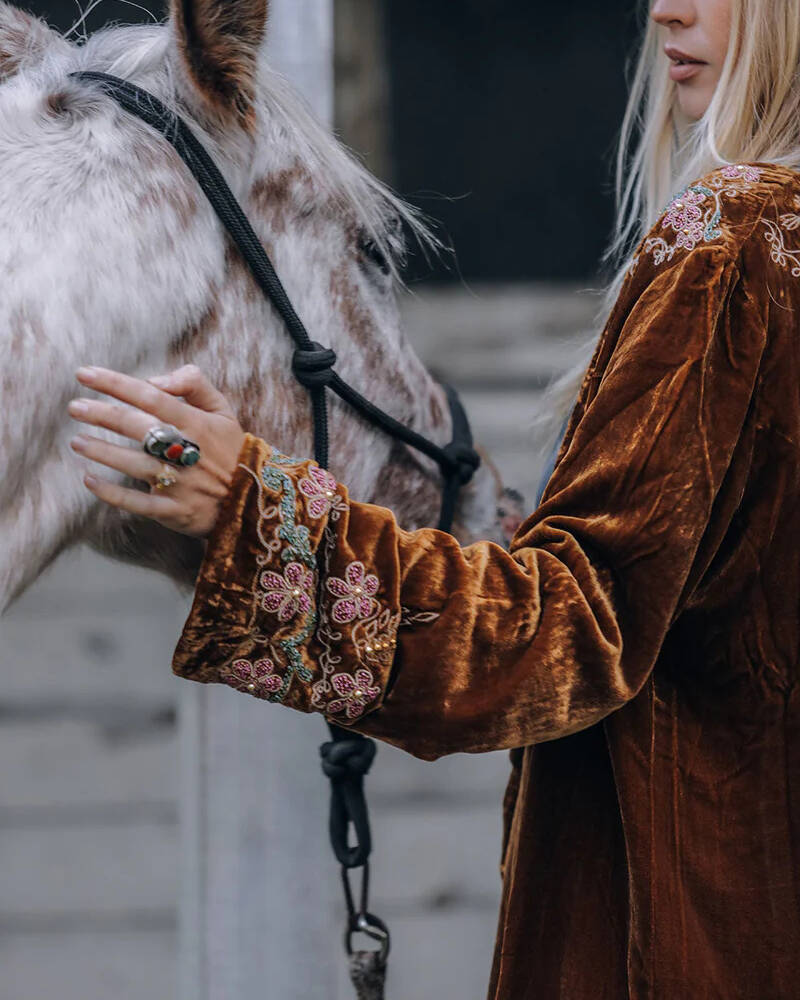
x: 348, y: 757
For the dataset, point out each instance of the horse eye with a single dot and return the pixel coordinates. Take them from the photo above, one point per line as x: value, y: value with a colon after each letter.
x: 371, y: 253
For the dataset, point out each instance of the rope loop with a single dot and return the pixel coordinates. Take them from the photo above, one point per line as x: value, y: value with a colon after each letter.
x: 314, y: 368
x: 347, y: 758
x: 463, y: 459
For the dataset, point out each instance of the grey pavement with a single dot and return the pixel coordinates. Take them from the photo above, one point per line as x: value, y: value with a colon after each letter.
x: 88, y: 736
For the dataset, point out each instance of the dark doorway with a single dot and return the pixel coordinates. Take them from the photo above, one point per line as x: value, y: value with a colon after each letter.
x: 511, y: 108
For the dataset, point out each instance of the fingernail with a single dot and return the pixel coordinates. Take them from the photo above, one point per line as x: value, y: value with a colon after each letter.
x: 78, y: 407
x: 88, y: 374
x: 90, y: 481
x: 162, y: 381
x: 78, y: 443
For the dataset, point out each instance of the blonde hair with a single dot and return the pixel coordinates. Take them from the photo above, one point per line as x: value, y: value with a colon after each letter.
x: 754, y: 116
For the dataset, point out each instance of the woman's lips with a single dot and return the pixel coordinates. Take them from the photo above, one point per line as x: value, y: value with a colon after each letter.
x: 685, y: 71
x: 683, y: 67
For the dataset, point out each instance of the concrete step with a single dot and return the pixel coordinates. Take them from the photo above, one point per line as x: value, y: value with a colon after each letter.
x: 118, y: 657
x: 500, y: 335
x: 437, y: 859
x: 49, y: 877
x: 99, y: 963
x: 53, y: 769
x: 77, y: 584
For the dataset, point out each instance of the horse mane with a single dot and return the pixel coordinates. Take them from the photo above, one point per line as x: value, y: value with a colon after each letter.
x: 345, y: 179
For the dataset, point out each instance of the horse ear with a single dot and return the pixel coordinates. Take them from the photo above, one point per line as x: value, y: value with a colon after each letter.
x: 218, y: 43
x: 23, y: 38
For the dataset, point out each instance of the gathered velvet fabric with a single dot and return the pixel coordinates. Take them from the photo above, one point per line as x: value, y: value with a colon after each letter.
x: 637, y: 649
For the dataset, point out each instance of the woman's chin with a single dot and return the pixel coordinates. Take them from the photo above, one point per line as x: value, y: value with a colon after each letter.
x: 692, y: 105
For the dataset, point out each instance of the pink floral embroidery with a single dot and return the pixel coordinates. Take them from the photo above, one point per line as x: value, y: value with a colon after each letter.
x: 696, y: 214
x: 355, y: 594
x: 288, y: 594
x: 743, y: 171
x: 355, y: 693
x: 319, y: 489
x: 257, y: 678
x: 685, y: 217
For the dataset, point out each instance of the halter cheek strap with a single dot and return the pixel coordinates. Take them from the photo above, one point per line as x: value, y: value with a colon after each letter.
x: 347, y: 758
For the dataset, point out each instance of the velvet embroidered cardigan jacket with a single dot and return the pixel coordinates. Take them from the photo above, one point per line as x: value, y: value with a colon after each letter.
x: 640, y: 642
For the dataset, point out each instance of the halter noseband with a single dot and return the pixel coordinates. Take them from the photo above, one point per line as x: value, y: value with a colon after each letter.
x: 348, y: 757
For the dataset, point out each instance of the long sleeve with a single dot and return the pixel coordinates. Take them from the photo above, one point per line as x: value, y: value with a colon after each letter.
x: 324, y: 604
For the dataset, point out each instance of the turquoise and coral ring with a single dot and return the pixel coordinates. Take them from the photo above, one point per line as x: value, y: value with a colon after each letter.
x: 167, y: 443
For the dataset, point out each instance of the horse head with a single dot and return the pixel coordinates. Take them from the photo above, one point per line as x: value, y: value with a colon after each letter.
x: 110, y: 255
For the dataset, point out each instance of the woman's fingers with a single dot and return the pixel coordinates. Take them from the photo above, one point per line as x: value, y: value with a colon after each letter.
x: 190, y: 383
x: 136, y: 392
x: 131, y: 462
x: 192, y: 504
x: 151, y: 505
x: 119, y: 419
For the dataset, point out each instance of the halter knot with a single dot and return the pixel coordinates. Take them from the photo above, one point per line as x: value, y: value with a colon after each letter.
x: 346, y: 758
x: 464, y: 460
x: 314, y: 368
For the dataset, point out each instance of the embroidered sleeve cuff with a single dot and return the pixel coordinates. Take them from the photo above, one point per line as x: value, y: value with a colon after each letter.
x: 280, y: 612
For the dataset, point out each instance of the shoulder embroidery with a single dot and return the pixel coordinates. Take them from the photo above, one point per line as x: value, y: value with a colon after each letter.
x: 775, y: 236
x: 694, y: 216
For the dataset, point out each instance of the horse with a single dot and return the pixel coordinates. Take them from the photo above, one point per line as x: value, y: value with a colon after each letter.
x: 110, y: 255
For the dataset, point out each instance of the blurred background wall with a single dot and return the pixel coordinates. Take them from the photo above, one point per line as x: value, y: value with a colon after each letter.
x: 498, y: 119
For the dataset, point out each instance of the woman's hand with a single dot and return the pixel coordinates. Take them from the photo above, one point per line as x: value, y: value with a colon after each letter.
x: 191, y: 505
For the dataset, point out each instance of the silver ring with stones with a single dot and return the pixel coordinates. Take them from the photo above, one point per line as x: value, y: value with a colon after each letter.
x: 167, y: 443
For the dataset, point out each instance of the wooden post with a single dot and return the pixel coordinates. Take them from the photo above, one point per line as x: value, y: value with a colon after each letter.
x: 260, y: 891
x: 362, y: 112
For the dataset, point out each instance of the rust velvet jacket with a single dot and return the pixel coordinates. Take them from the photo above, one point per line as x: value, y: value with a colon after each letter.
x: 639, y: 647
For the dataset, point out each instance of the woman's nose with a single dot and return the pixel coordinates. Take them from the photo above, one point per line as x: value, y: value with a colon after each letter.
x: 674, y: 12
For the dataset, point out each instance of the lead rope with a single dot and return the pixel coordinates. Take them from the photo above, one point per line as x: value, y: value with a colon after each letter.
x: 347, y: 758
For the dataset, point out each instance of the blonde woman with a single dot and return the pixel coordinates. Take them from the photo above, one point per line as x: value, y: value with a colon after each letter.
x: 642, y: 640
